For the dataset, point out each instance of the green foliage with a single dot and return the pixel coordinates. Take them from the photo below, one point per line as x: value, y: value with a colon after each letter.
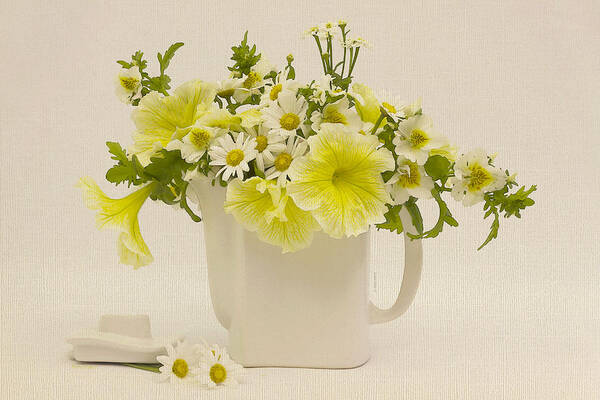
x: 159, y: 83
x: 415, y: 214
x: 392, y: 219
x: 245, y: 57
x: 126, y: 170
x: 510, y: 204
x: 445, y: 216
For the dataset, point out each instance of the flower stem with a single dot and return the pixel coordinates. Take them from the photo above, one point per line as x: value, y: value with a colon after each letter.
x: 145, y: 367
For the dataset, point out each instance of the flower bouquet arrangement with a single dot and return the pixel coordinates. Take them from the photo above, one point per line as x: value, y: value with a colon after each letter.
x: 328, y: 155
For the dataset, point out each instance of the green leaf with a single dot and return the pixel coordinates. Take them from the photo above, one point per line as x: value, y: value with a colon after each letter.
x: 165, y: 59
x: 244, y: 56
x: 493, y: 230
x: 126, y: 170
x: 437, y: 167
x: 168, y: 167
x: 415, y: 214
x: 444, y: 218
x: 392, y: 219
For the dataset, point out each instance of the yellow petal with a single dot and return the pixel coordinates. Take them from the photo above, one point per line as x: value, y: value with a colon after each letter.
x: 157, y: 118
x: 121, y: 215
x: 262, y: 206
x: 368, y: 109
x: 341, y: 181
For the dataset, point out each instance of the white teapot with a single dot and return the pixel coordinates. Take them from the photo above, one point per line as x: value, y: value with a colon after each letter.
x: 304, y: 309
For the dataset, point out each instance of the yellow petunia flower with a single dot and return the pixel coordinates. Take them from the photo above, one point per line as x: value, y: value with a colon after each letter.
x: 366, y: 103
x: 340, y: 181
x: 263, y: 207
x: 121, y: 215
x: 158, y: 118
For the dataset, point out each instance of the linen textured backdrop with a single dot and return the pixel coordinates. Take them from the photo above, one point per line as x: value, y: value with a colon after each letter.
x: 518, y: 320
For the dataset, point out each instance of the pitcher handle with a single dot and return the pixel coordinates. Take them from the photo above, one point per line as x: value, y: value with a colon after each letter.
x: 413, y: 263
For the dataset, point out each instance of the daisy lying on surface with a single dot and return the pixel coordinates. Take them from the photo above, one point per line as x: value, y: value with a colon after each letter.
x: 296, y: 158
x: 209, y: 366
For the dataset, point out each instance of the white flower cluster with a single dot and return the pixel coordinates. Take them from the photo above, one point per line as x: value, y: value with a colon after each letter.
x: 208, y: 366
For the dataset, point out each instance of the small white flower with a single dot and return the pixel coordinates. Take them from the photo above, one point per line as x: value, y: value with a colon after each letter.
x: 367, y: 129
x: 322, y: 87
x: 337, y: 114
x: 196, y: 142
x: 268, y: 143
x: 281, y: 85
x: 128, y: 85
x: 475, y: 177
x: 327, y: 29
x: 179, y: 363
x: 227, y: 87
x: 416, y: 137
x: 409, y: 180
x: 234, y: 156
x: 254, y: 80
x: 351, y: 43
x: 287, y: 114
x: 398, y: 108
x: 312, y: 31
x: 217, y: 369
x: 296, y: 147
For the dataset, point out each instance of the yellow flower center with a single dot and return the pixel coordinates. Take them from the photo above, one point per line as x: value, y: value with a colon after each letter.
x: 418, y: 138
x: 180, y: 368
x: 282, y: 162
x: 261, y: 143
x: 234, y: 157
x: 479, y: 178
x: 226, y: 93
x: 200, y: 138
x: 333, y: 116
x: 252, y: 79
x: 218, y: 373
x: 129, y: 83
x: 289, y: 121
x: 390, y: 108
x: 275, y: 91
x: 410, y: 178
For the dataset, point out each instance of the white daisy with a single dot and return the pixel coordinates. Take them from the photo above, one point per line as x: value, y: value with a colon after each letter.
x: 337, y: 114
x: 287, y: 114
x: 196, y: 142
x: 234, y: 156
x: 296, y: 147
x: 312, y: 31
x: 398, y: 108
x: 415, y: 137
x: 254, y: 80
x: 268, y: 143
x: 351, y: 43
x: 281, y: 85
x: 128, y: 85
x: 327, y: 29
x: 179, y: 363
x: 475, y: 176
x: 409, y: 180
x: 217, y: 369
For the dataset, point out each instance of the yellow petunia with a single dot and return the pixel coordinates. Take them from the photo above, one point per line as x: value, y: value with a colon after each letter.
x: 263, y: 207
x: 340, y: 181
x: 366, y: 103
x: 121, y: 215
x: 158, y: 118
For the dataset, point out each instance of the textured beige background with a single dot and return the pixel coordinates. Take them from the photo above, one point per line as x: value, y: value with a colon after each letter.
x: 519, y: 320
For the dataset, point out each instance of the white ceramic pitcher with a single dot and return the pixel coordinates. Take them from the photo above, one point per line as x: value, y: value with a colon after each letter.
x: 304, y: 309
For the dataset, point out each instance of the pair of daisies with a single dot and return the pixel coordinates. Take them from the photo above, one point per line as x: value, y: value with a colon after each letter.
x: 207, y: 365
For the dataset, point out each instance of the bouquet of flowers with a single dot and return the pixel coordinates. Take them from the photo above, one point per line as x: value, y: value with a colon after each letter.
x: 295, y: 157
